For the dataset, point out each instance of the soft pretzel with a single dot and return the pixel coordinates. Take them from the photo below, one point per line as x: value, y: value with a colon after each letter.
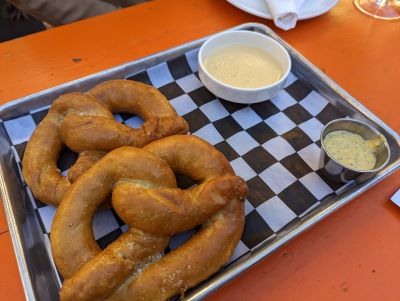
x: 145, y: 196
x: 84, y: 122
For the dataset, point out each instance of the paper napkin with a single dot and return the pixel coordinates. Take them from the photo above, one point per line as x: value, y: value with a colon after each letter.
x: 285, y: 12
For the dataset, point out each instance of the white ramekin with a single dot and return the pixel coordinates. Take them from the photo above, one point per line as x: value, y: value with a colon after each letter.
x: 250, y: 38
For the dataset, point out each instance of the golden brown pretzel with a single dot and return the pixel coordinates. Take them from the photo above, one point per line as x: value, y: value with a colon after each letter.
x: 142, y: 180
x: 84, y: 122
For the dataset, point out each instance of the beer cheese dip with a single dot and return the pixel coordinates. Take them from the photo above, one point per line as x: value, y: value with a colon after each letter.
x: 243, y: 66
x: 351, y: 150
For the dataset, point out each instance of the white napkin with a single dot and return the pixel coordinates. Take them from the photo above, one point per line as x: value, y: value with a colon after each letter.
x: 396, y: 198
x: 285, y: 12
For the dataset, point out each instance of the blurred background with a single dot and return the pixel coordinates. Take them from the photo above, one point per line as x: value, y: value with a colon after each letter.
x: 22, y: 17
x: 14, y: 23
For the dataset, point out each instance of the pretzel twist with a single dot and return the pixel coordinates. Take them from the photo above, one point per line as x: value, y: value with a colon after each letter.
x: 84, y: 122
x: 145, y: 195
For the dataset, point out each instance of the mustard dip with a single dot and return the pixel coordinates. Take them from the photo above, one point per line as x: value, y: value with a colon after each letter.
x: 243, y: 66
x: 351, y: 150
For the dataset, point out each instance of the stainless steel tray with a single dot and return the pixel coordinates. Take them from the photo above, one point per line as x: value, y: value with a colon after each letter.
x: 36, y: 268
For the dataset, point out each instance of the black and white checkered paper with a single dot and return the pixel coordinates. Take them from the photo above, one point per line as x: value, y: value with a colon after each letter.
x: 273, y: 145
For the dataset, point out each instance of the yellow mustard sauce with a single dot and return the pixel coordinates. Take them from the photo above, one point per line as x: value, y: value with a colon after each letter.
x: 243, y: 66
x: 351, y: 150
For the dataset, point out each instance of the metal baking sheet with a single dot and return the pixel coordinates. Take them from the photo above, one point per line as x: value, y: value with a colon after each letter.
x: 38, y: 274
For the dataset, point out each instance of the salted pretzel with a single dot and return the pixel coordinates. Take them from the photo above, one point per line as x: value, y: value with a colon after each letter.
x: 145, y: 196
x: 84, y: 122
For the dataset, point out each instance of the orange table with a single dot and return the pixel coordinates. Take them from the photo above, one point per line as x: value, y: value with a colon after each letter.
x: 353, y: 254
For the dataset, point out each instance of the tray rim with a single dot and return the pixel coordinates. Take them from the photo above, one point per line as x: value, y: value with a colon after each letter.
x: 266, y: 248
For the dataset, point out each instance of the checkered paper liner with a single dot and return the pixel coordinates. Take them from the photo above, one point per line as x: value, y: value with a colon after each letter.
x: 273, y: 145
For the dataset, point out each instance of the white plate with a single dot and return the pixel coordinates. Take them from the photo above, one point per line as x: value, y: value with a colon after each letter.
x: 309, y: 9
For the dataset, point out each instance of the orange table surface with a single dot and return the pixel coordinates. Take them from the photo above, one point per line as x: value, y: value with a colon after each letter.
x: 351, y: 255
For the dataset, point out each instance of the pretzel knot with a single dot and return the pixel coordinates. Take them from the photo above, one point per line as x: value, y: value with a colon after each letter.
x: 145, y: 196
x: 84, y: 122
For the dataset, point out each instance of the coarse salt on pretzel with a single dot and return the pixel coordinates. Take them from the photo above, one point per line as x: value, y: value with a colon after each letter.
x: 84, y: 122
x: 142, y: 182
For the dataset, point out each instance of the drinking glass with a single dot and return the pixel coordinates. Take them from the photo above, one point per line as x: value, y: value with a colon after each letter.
x: 381, y: 9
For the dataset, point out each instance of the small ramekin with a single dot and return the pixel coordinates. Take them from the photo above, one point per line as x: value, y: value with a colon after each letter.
x: 338, y: 172
x: 249, y: 38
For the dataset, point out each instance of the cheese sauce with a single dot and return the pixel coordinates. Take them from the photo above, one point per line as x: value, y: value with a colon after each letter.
x: 243, y: 66
x: 351, y: 149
